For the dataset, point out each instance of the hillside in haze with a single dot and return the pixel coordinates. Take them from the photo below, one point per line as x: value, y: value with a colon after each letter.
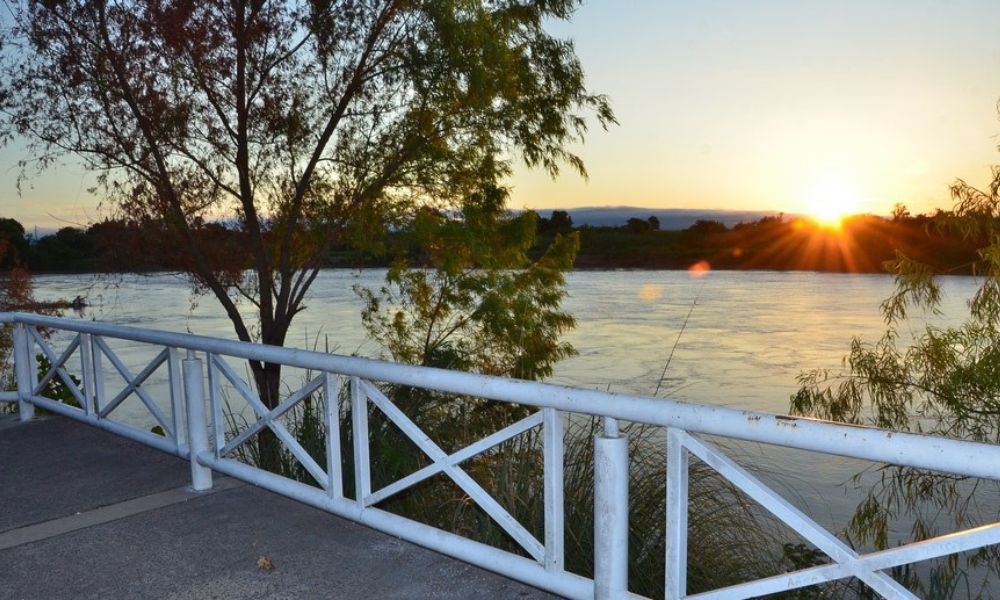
x: 670, y: 218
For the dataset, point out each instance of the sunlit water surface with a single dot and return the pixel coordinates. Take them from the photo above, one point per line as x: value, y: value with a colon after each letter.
x: 747, y: 334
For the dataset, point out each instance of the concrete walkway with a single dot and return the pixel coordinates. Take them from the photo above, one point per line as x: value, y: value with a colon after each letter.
x: 86, y: 514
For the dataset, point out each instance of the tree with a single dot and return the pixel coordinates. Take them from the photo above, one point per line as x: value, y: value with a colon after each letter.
x: 15, y: 288
x: 654, y: 222
x: 475, y: 302
x: 13, y: 244
x: 17, y: 292
x: 69, y: 249
x: 900, y: 212
x: 478, y: 304
x: 707, y: 227
x: 945, y: 382
x: 303, y: 124
x: 561, y: 222
x: 637, y: 226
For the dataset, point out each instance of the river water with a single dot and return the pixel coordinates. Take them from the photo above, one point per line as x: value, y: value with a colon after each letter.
x: 732, y: 338
x: 747, y: 334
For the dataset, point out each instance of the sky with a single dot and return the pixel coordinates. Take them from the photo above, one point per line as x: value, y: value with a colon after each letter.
x: 780, y: 105
x: 784, y: 105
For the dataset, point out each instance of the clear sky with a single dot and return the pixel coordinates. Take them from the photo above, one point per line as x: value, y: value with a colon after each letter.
x: 783, y: 104
x: 757, y: 105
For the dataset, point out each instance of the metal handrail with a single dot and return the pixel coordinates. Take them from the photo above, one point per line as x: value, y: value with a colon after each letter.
x: 186, y: 435
x: 961, y: 457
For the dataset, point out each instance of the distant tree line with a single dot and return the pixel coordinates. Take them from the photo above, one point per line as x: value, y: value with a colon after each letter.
x: 861, y: 244
x: 70, y: 249
x: 141, y: 246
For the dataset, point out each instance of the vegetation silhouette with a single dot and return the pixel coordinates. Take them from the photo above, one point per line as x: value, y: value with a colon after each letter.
x: 862, y: 244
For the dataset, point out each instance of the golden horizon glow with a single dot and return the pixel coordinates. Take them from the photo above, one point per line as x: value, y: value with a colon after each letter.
x: 830, y: 200
x: 813, y: 100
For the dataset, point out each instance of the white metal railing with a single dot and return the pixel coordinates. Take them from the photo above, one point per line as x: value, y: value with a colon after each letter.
x: 186, y: 434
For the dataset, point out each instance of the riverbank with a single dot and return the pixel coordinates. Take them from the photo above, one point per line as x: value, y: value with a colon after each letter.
x: 861, y: 244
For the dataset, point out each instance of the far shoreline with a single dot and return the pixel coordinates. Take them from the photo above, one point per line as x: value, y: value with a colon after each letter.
x: 585, y: 269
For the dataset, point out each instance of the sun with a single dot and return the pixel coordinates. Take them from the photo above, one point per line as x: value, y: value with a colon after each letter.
x: 828, y: 201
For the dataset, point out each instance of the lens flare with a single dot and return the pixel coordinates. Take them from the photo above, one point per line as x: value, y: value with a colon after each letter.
x: 699, y: 269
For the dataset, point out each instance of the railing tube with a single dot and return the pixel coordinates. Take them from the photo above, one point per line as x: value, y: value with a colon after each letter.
x: 194, y: 395
x: 177, y: 413
x: 555, y: 513
x: 610, y: 513
x: 675, y: 584
x: 362, y: 466
x: 22, y: 372
x: 87, y: 368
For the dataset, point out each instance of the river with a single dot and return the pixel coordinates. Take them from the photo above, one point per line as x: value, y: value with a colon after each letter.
x: 747, y: 334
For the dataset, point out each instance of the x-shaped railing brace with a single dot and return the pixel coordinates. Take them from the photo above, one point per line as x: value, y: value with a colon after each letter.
x: 448, y: 464
x: 268, y: 418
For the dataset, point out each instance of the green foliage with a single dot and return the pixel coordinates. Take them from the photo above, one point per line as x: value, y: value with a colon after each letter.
x: 480, y: 304
x: 935, y: 380
x: 707, y: 227
x: 730, y: 539
x: 559, y: 222
x: 802, y: 556
x: 304, y: 422
x: 861, y: 244
x: 57, y: 389
x: 17, y: 293
x: 68, y: 250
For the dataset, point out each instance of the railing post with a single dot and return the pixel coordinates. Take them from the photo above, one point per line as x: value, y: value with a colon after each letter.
x: 194, y: 394
x: 96, y: 354
x: 176, y: 396
x: 552, y: 448
x: 331, y: 416
x: 362, y: 466
x: 215, y: 403
x: 87, y: 368
x: 22, y: 372
x: 675, y: 584
x: 611, y: 474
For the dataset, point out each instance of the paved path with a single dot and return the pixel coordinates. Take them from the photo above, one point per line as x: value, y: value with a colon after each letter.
x: 86, y: 514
